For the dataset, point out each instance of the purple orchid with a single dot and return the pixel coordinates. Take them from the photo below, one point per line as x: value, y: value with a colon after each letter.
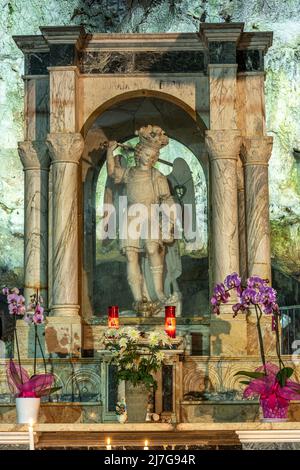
x: 249, y: 296
x: 256, y: 281
x: 38, y: 316
x: 216, y: 305
x: 232, y: 280
x: 220, y: 293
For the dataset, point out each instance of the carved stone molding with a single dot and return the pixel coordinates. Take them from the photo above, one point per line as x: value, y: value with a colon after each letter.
x: 65, y: 148
x: 223, y: 144
x: 256, y: 150
x: 34, y: 155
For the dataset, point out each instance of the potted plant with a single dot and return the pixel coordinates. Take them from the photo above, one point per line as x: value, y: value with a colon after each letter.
x: 270, y: 382
x: 27, y: 389
x: 137, y: 357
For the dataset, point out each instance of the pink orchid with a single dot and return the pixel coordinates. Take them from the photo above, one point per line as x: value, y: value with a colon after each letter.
x: 24, y: 386
x: 269, y: 389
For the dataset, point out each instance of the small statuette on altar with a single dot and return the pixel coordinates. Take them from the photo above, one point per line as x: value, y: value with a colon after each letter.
x: 121, y: 411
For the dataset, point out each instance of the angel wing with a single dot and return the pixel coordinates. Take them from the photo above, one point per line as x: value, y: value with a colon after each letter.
x: 183, y: 191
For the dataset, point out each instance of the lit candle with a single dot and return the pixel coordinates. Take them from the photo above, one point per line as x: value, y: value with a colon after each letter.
x: 31, y: 436
x: 146, y: 445
x: 108, y: 445
x: 170, y: 321
x: 113, y: 316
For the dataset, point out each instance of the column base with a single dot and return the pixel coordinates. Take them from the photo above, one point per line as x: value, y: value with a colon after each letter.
x: 63, y: 336
x: 65, y: 310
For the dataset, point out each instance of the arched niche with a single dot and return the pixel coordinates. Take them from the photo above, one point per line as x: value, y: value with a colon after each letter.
x: 119, y: 122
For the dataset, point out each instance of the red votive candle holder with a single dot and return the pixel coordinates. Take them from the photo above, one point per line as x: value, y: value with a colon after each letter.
x: 170, y: 321
x: 113, y: 316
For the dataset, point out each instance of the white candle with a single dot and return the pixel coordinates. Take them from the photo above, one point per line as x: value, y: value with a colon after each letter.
x: 146, y: 445
x: 108, y: 445
x: 31, y: 436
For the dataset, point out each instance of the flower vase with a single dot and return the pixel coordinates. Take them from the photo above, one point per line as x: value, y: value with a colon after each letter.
x: 27, y: 410
x: 274, y: 413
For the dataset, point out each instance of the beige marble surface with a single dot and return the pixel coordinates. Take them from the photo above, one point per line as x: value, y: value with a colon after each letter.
x: 35, y: 159
x: 65, y: 151
x: 223, y: 147
x: 222, y: 88
x: 63, y: 105
x: 150, y: 427
x: 98, y: 93
x: 255, y: 154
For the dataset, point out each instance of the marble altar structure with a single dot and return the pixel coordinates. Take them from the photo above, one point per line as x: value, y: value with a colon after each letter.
x: 213, y: 81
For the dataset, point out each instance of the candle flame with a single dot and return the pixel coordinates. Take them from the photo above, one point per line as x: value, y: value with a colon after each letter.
x: 146, y: 443
x: 108, y: 441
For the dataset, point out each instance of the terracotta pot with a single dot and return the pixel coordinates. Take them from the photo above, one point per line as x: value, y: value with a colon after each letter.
x: 27, y: 410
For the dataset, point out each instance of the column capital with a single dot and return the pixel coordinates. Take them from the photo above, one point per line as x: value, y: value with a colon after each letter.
x: 223, y: 144
x: 34, y: 155
x: 65, y: 147
x: 256, y: 150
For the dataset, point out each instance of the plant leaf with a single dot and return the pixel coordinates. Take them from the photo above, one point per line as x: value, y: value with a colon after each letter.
x: 252, y: 375
x: 283, y: 375
x: 245, y: 382
x: 48, y: 391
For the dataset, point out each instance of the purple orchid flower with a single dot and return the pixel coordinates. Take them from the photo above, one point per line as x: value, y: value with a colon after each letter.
x: 256, y: 281
x: 232, y: 280
x: 267, y: 295
x: 220, y: 293
x: 38, y: 316
x: 248, y: 296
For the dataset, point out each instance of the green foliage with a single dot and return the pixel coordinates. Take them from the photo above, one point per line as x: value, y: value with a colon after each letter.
x: 252, y: 375
x: 283, y: 375
x: 137, y: 358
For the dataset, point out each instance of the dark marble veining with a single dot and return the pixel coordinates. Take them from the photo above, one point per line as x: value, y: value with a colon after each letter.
x: 152, y: 62
x: 250, y: 60
x: 36, y: 63
x: 105, y: 62
x: 62, y: 54
x: 177, y: 61
x: 222, y: 52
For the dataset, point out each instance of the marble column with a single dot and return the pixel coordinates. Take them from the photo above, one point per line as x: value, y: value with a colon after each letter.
x: 255, y: 154
x: 35, y: 160
x: 223, y: 147
x: 242, y: 221
x: 65, y: 151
